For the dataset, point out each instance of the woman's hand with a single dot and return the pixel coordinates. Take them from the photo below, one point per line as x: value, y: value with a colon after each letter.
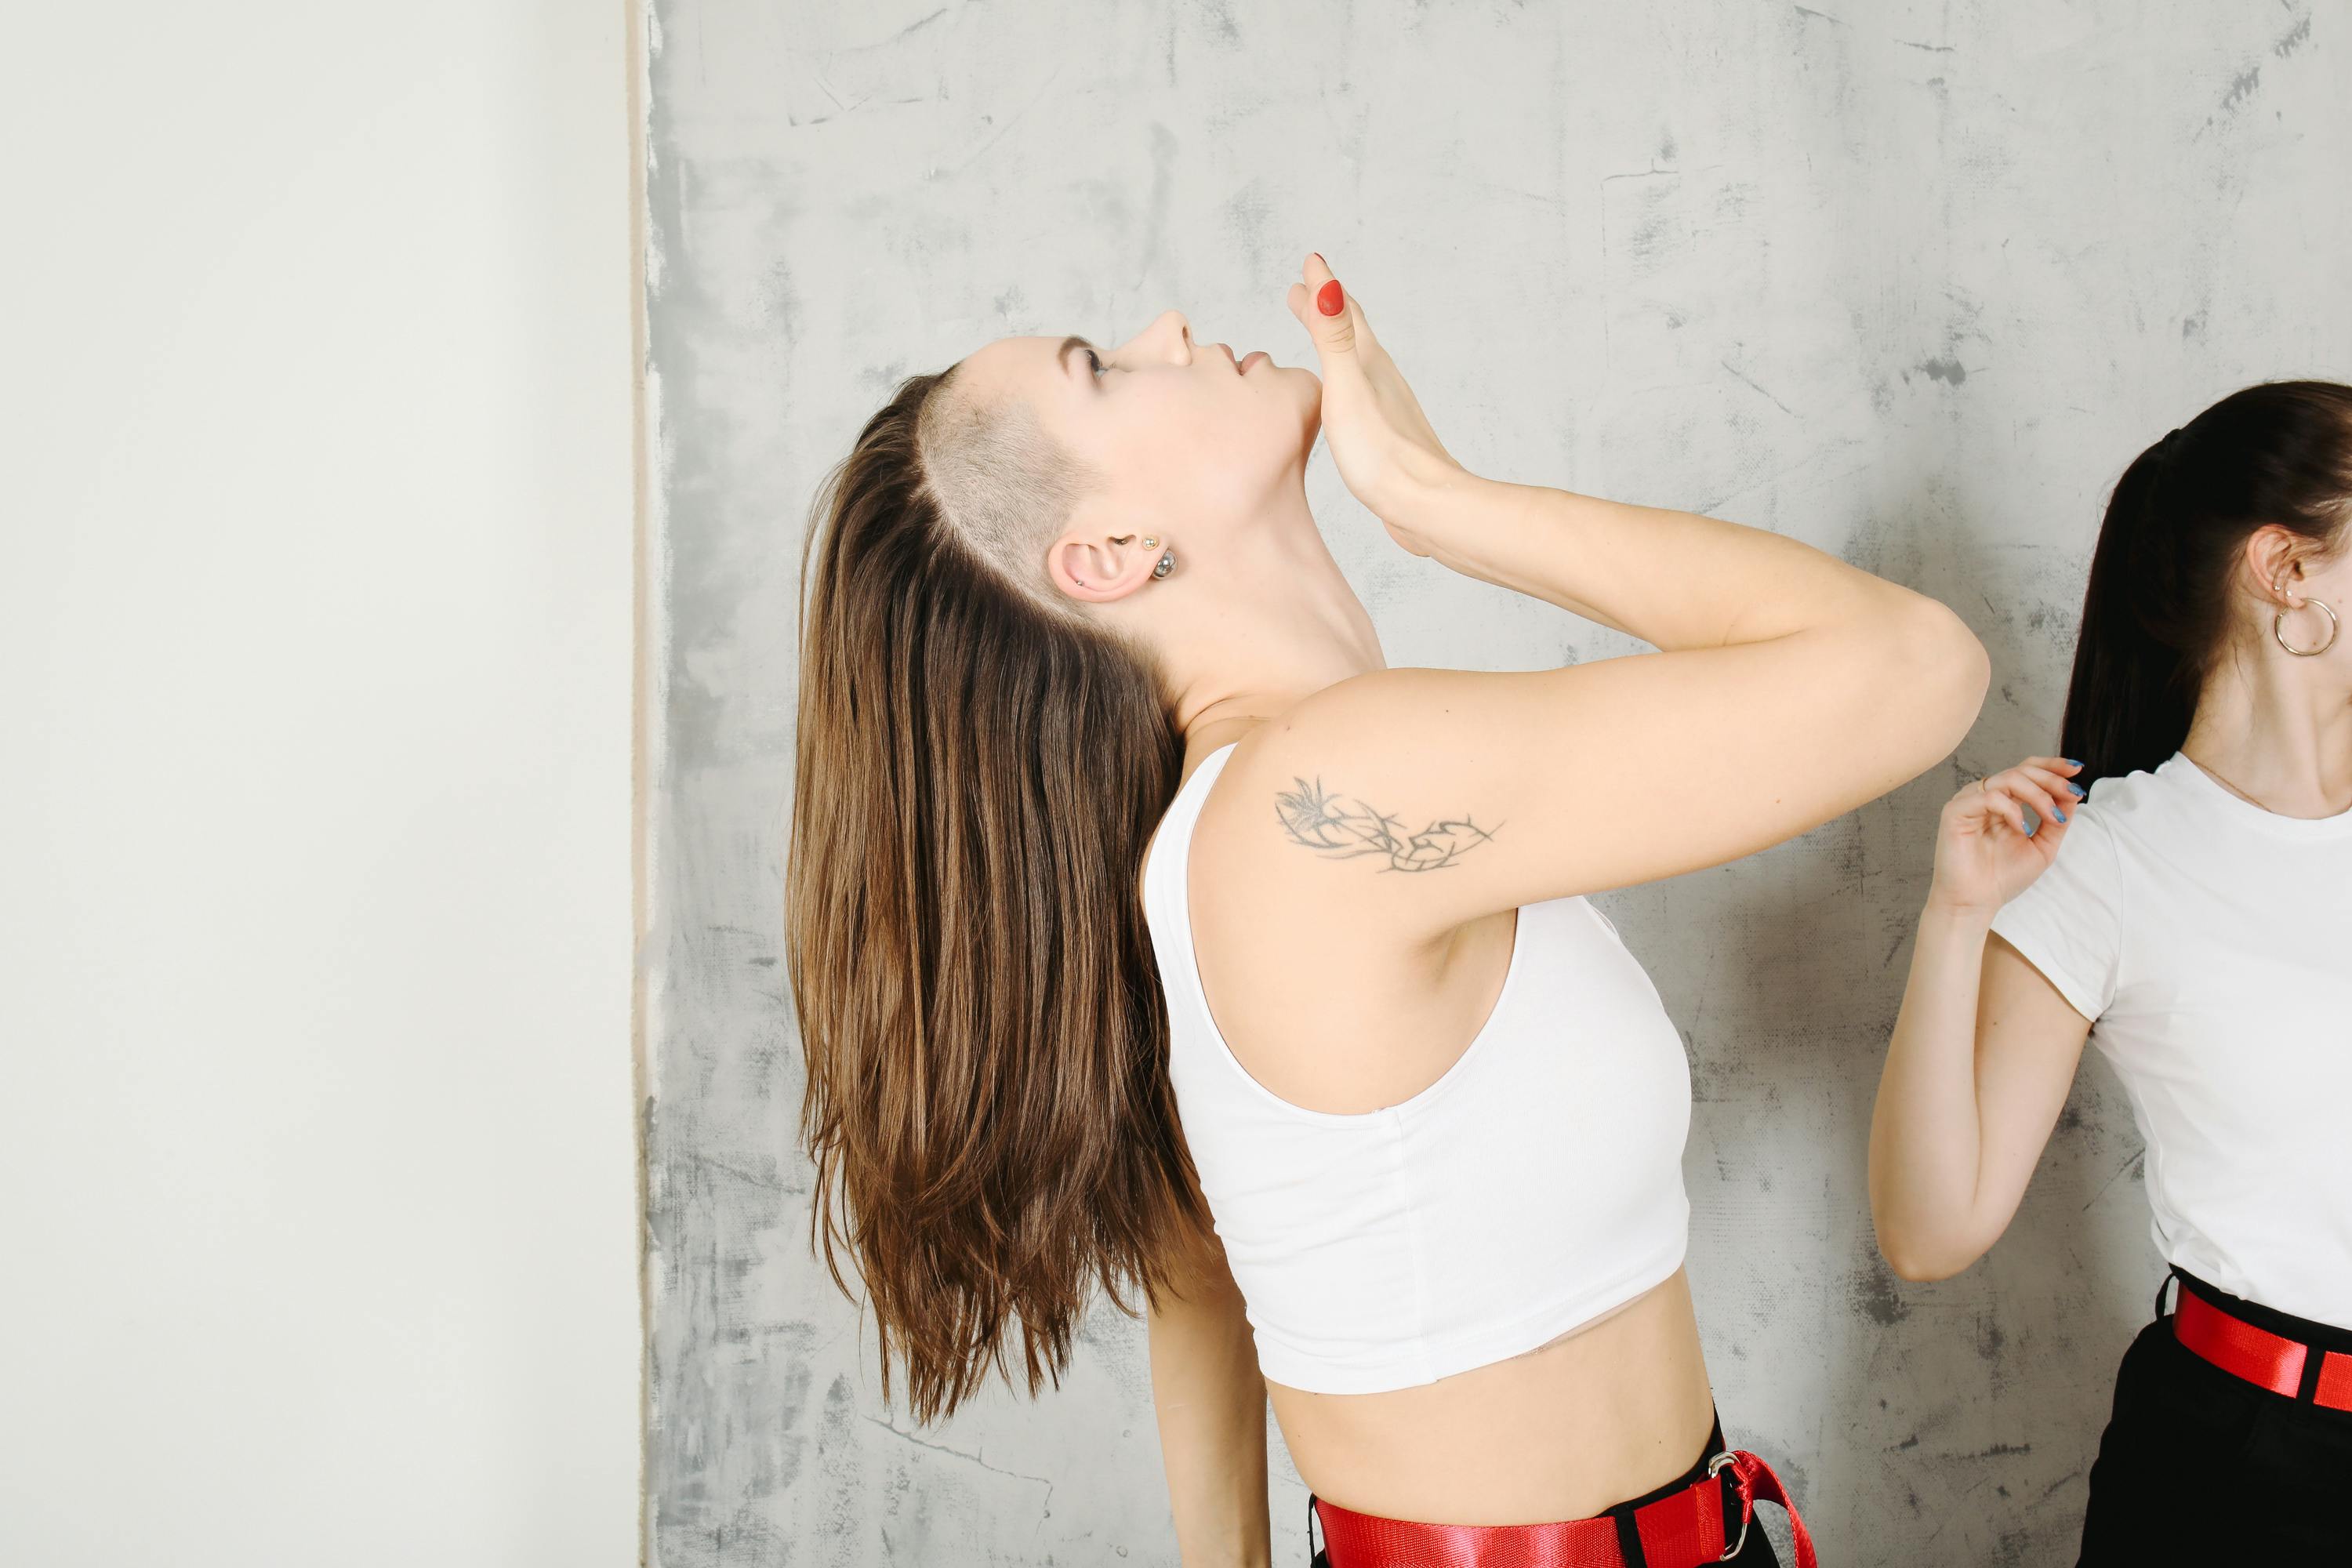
x: 1379, y: 435
x: 1985, y: 854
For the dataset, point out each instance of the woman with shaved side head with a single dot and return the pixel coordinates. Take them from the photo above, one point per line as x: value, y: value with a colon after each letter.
x: 1149, y: 931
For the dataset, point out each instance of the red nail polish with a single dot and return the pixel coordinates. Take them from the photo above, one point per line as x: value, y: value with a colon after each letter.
x: 1330, y: 301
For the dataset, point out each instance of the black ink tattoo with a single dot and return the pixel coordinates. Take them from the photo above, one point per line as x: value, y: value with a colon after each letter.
x: 1340, y: 829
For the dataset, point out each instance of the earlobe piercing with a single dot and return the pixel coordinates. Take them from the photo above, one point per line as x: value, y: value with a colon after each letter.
x: 1165, y: 564
x: 2278, y: 630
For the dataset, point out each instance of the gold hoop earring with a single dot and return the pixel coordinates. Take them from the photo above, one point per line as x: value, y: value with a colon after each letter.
x: 2278, y: 630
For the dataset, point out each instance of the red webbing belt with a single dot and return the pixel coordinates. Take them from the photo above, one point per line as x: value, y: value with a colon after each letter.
x: 2264, y: 1359
x: 1678, y: 1531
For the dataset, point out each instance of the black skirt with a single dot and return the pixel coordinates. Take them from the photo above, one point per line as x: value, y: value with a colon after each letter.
x: 2199, y: 1465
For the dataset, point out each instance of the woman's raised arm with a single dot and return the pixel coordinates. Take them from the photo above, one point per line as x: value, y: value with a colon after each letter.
x: 1985, y: 1046
x: 1792, y: 687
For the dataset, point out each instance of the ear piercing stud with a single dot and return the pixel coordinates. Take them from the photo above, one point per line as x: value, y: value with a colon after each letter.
x: 1164, y: 565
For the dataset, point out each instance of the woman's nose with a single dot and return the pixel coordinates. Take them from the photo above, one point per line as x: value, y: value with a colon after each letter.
x: 1169, y: 338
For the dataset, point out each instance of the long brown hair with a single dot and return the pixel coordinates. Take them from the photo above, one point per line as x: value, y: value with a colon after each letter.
x: 2157, y: 611
x: 977, y: 773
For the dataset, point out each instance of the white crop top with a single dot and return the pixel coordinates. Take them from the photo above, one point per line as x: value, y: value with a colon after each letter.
x: 1535, y: 1186
x: 2209, y: 944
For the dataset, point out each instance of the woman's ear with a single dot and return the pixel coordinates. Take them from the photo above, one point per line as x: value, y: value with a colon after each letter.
x: 1099, y: 568
x: 2274, y: 558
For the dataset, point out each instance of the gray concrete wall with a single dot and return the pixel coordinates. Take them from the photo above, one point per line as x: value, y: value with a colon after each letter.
x: 1909, y: 281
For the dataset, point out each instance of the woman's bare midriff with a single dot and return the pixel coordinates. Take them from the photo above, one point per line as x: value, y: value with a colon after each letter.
x: 1616, y: 1409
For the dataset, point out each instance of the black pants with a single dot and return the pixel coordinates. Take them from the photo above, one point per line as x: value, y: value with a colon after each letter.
x: 2200, y: 1466
x: 1756, y: 1553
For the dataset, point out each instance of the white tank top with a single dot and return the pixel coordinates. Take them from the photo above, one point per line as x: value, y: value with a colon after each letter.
x: 1534, y: 1187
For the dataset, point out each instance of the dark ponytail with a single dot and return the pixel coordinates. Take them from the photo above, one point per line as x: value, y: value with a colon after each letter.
x: 2156, y: 613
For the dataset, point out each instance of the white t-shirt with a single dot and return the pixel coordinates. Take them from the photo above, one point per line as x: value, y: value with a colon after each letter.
x: 2210, y: 942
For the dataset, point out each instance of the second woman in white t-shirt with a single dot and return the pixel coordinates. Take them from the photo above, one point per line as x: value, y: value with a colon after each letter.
x: 2193, y: 918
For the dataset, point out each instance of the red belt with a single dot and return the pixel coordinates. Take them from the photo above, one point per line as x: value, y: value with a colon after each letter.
x: 2264, y: 1359
x: 1691, y: 1527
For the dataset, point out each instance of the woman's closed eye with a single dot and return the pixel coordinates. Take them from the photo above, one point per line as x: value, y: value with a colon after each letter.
x: 1095, y: 364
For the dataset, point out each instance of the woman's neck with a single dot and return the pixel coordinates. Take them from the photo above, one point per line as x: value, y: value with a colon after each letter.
x: 1267, y: 620
x: 2279, y: 734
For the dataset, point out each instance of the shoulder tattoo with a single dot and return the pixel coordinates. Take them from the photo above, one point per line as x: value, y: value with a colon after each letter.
x: 1341, y: 828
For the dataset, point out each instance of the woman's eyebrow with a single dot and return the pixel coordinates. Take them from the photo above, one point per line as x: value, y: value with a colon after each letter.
x: 1062, y: 354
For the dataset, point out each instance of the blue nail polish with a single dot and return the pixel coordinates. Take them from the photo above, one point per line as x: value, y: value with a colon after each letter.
x: 2060, y: 815
x: 2073, y: 763
x: 2080, y: 791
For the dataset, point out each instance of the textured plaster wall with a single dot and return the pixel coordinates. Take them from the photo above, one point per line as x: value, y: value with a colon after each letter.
x: 1909, y: 281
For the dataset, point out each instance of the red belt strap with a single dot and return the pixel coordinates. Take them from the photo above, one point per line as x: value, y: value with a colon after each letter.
x: 1682, y: 1531
x: 2264, y: 1359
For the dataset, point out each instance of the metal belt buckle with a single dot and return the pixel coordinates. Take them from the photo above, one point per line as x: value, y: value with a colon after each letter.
x: 1714, y: 1467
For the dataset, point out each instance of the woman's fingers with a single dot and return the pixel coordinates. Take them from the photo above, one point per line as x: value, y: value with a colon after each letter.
x: 2043, y: 784
x: 2018, y: 785
x: 2008, y: 808
x: 2063, y: 788
x: 1359, y: 321
x: 2064, y: 767
x: 1319, y: 301
x: 1974, y: 860
x: 1986, y: 801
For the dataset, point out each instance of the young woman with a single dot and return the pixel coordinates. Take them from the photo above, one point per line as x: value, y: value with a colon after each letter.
x: 1109, y: 810
x: 2194, y: 917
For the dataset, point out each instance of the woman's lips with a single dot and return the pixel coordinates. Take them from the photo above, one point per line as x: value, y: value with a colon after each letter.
x: 1254, y: 355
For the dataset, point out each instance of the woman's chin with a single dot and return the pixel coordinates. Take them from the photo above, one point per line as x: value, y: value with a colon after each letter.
x: 1309, y: 391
